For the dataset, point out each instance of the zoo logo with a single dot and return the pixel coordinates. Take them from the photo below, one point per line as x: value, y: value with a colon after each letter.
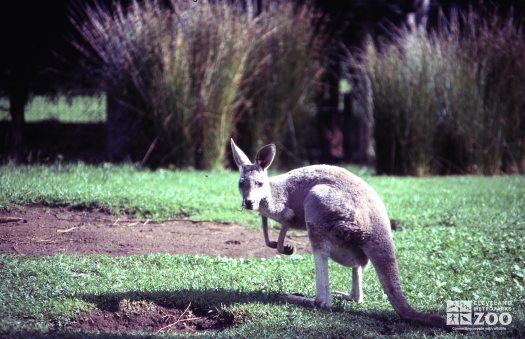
x: 460, y: 312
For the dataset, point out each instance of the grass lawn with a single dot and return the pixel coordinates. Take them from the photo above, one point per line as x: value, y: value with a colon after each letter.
x: 460, y: 238
x: 78, y: 109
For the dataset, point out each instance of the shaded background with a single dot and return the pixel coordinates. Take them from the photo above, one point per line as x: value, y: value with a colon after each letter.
x: 38, y: 59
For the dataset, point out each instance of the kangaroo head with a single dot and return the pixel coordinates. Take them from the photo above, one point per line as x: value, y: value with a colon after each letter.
x: 253, y: 184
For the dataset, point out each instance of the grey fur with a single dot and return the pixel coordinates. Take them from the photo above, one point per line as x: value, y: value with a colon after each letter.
x: 345, y: 218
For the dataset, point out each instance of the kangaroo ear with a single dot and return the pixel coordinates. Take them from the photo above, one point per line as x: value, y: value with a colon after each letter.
x: 265, y: 156
x: 238, y: 155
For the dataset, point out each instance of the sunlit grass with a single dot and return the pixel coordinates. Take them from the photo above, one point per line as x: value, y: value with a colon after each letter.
x: 76, y: 109
x: 471, y: 201
x: 460, y: 238
x: 210, y: 195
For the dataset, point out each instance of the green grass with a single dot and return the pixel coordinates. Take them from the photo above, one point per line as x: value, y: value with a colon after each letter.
x: 461, y: 238
x: 209, y: 195
x: 212, y: 195
x: 77, y: 109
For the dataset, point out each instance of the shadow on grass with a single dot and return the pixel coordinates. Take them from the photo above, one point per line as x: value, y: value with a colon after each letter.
x: 199, y: 299
x: 205, y: 300
x: 381, y: 322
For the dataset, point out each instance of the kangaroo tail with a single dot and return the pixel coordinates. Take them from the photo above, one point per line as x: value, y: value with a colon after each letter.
x: 382, y: 256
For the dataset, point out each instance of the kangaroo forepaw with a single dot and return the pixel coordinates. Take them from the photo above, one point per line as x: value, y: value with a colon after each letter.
x: 287, y: 250
x: 272, y: 244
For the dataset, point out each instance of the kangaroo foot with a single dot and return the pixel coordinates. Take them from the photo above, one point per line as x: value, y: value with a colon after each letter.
x: 324, y: 304
x: 272, y: 244
x: 350, y: 297
x: 305, y: 301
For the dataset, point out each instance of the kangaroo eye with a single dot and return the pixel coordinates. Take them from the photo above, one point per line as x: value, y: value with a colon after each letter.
x: 258, y: 183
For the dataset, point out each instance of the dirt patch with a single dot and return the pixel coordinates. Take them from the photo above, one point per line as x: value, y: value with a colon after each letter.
x: 38, y: 230
x: 145, y: 316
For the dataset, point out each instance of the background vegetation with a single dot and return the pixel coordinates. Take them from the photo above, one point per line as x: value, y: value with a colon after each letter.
x: 450, y: 99
x: 281, y: 82
x: 189, y: 71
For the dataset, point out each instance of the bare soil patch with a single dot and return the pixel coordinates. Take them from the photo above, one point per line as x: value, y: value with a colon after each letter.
x: 39, y: 230
x: 145, y: 316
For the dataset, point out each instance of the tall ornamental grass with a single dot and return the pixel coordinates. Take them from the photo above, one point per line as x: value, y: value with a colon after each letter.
x: 396, y: 75
x: 281, y: 79
x: 498, y: 48
x: 186, y: 67
x: 458, y: 88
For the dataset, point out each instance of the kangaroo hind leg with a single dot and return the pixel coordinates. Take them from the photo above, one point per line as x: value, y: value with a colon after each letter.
x: 323, y: 298
x: 356, y: 294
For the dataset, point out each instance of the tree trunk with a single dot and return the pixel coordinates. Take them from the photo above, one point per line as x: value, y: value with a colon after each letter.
x: 118, y: 127
x: 18, y: 96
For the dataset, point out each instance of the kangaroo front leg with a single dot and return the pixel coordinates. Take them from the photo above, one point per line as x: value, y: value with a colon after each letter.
x: 271, y: 244
x: 323, y: 298
x: 281, y: 247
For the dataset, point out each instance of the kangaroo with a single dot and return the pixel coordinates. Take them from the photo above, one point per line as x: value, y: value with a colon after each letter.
x: 345, y: 219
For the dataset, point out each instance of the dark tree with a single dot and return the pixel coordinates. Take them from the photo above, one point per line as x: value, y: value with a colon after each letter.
x: 344, y: 134
x: 34, y: 47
